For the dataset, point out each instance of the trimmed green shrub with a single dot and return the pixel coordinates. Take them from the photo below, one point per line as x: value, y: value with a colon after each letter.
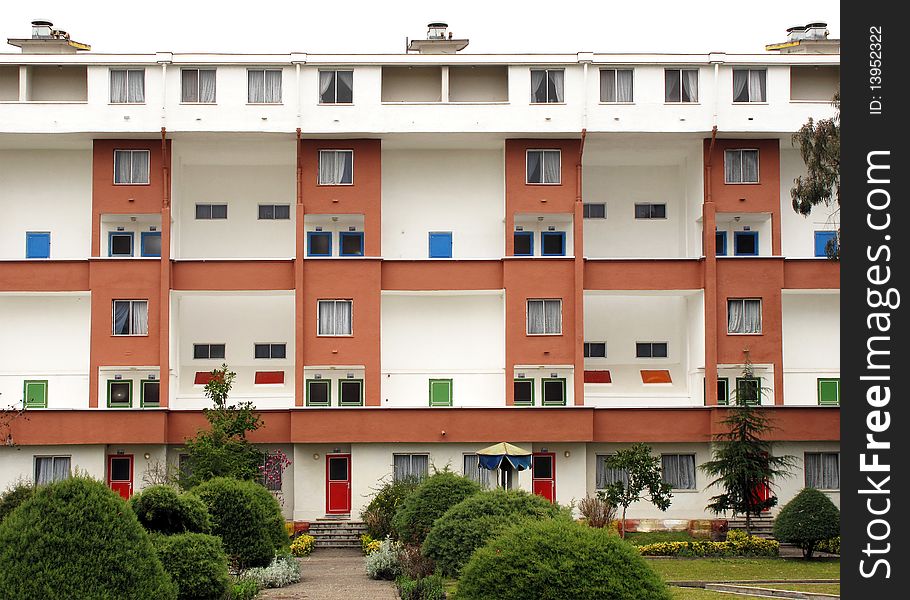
x: 378, y: 514
x: 283, y: 570
x: 243, y: 589
x: 15, y: 495
x: 737, y: 544
x: 557, y: 558
x: 160, y: 508
x: 470, y: 523
x: 431, y: 587
x: 435, y: 495
x: 807, y: 520
x: 78, y: 539
x: 196, y: 563
x: 246, y: 517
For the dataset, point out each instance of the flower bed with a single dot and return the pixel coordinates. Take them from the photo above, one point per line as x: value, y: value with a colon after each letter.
x: 737, y: 544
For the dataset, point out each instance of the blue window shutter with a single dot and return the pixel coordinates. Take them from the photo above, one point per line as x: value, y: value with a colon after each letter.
x: 821, y: 242
x: 441, y: 245
x: 720, y: 243
x: 37, y: 245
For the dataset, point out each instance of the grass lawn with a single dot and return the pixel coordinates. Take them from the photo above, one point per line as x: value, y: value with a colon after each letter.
x: 733, y: 569
x: 820, y: 588
x: 679, y: 593
x: 654, y: 537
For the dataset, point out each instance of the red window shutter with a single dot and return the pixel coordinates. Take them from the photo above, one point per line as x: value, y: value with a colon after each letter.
x: 597, y: 377
x: 655, y: 376
x: 202, y: 377
x: 264, y: 377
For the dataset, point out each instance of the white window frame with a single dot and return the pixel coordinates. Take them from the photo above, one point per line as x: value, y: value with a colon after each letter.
x: 131, y: 152
x: 199, y: 70
x: 694, y: 487
x: 820, y: 454
x: 489, y: 481
x: 741, y: 169
x: 335, y: 89
x: 697, y: 84
x: 547, y: 78
x: 410, y: 456
x: 743, y: 301
x: 334, y: 302
x: 543, y: 170
x: 259, y: 216
x: 210, y: 217
x: 600, y: 463
x: 528, y: 315
x: 128, y: 71
x: 54, y: 458
x: 280, y: 88
x: 749, y: 71
x: 334, y: 150
x: 615, y: 76
x: 133, y: 303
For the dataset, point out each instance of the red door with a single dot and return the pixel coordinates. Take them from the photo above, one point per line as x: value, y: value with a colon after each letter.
x: 763, y: 493
x: 338, y: 483
x: 120, y: 474
x: 543, y: 473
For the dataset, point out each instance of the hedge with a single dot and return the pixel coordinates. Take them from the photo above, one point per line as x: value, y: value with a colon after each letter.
x: 196, y: 563
x: 14, y: 496
x: 807, y: 520
x: 433, y: 497
x: 737, y: 544
x: 160, y: 508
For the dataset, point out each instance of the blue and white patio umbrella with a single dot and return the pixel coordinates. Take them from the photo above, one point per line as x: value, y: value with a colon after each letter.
x: 504, y: 457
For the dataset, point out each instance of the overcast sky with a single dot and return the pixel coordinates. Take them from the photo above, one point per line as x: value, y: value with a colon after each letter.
x: 352, y: 26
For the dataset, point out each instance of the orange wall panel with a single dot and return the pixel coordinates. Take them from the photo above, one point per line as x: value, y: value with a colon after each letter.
x: 44, y: 276
x: 811, y: 274
x: 442, y: 275
x: 233, y: 275
x: 763, y: 196
x: 644, y: 274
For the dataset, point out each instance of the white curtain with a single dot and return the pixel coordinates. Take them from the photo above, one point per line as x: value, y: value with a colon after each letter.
x: 139, y: 166
x: 273, y: 87
x: 756, y: 85
x: 207, y: 86
x: 343, y: 317
x: 538, y: 86
x: 326, y: 80
x: 335, y: 317
x: 119, y: 89
x: 140, y: 317
x: 255, y: 87
x: 553, y: 310
x: 608, y: 85
x: 189, y: 85
x: 690, y: 86
x: 555, y: 85
x: 624, y: 85
x: 733, y: 166
x: 44, y: 470
x: 535, y: 157
x: 61, y: 468
x: 136, y: 83
x: 536, y: 318
x: 607, y: 475
x: 344, y: 87
x: 678, y: 470
x: 474, y: 472
x: 410, y: 466
x: 671, y: 85
x: 335, y: 167
x: 122, y: 167
x: 823, y: 471
x: 326, y: 317
x: 740, y: 81
x: 751, y: 316
x: 121, y: 317
x: 551, y: 166
x: 734, y: 316
x: 750, y: 166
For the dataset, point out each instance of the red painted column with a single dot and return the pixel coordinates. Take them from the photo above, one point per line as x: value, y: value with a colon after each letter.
x: 710, y: 290
x: 300, y: 239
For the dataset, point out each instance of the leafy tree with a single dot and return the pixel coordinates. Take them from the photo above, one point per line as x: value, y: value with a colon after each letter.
x: 742, y: 462
x: 819, y: 145
x: 223, y: 450
x: 807, y: 520
x: 642, y: 481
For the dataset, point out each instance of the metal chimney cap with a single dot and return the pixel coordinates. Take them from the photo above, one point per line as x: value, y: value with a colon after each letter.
x: 42, y: 22
x: 437, y: 25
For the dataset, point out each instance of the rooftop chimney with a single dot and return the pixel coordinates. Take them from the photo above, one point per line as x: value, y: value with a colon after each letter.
x: 47, y: 40
x: 807, y: 39
x: 439, y: 41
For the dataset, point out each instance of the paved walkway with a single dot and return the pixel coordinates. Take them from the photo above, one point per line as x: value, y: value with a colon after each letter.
x: 333, y: 574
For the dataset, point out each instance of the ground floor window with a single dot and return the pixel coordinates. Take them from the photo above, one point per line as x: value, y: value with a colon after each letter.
x: 678, y: 470
x: 823, y: 470
x: 49, y: 469
x: 607, y: 475
x: 474, y: 472
x: 410, y: 466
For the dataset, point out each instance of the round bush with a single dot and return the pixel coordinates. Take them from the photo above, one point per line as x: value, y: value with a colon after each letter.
x: 435, y: 495
x: 470, y: 523
x: 807, y: 520
x: 378, y: 514
x: 14, y: 496
x: 161, y: 509
x: 556, y: 559
x: 78, y: 539
x: 196, y: 563
x: 246, y: 517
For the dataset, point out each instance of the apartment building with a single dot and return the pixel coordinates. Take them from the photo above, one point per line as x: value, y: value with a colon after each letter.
x: 408, y: 257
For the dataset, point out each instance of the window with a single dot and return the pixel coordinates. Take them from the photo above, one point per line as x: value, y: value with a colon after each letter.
x: 184, y: 466
x: 410, y: 466
x: 350, y: 392
x: 547, y: 85
x: 595, y: 349
x: 268, y: 378
x: 606, y: 475
x: 745, y: 243
x: 148, y: 393
x: 336, y: 167
x: 335, y: 317
x: 594, y: 210
x: 440, y: 392
x: 208, y: 351
x: 318, y: 392
x: 197, y: 85
x: 49, y: 469
x: 523, y: 392
x: 37, y: 244
x: 544, y: 317
x: 264, y: 86
x: 131, y: 167
x: 131, y: 317
x: 120, y: 243
x: 616, y: 85
x: 150, y: 243
x: 749, y: 85
x: 748, y: 391
x: 553, y: 243
x: 825, y: 243
x: 270, y: 350
x: 119, y: 393
x: 127, y: 86
x: 211, y: 211
x: 652, y: 376
x: 723, y: 391
x: 829, y: 392
x: 740, y: 166
x: 720, y: 243
x: 440, y: 244
x: 336, y: 87
x: 544, y: 166
x: 350, y: 243
x: 319, y: 243
x: 34, y: 394
x: 651, y: 350
x: 678, y: 470
x: 274, y: 211
x: 650, y: 211
x: 523, y: 243
x: 743, y: 315
x: 272, y: 473
x: 823, y: 470
x: 476, y: 473
x: 554, y: 392
x: 681, y: 85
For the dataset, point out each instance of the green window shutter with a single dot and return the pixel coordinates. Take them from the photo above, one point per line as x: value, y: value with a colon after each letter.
x: 748, y: 390
x: 554, y: 392
x: 440, y: 392
x: 318, y: 392
x: 35, y: 393
x: 523, y: 392
x: 829, y: 392
x: 723, y: 391
x: 350, y: 392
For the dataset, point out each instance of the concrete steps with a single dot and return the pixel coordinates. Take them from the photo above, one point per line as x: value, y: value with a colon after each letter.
x: 337, y: 532
x: 762, y: 527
